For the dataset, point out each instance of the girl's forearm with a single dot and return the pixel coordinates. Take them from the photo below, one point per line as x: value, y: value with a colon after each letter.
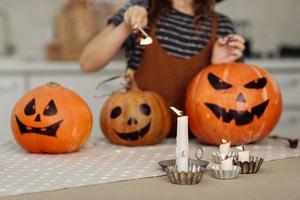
x: 103, y: 47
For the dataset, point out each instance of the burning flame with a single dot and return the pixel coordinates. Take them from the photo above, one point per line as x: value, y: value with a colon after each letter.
x: 178, y: 112
x: 224, y: 141
x: 146, y: 41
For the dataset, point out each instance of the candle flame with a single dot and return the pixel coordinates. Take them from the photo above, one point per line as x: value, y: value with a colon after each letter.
x: 224, y: 141
x: 242, y: 148
x: 146, y: 41
x: 178, y: 112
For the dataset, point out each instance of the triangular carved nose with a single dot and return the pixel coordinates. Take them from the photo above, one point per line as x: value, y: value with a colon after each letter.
x: 241, y: 98
x: 37, y: 118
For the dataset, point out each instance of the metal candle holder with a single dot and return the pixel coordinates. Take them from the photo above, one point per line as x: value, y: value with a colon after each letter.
x: 219, y: 173
x: 196, y: 168
x: 198, y: 162
x: 250, y: 167
x: 169, y: 163
x: 193, y: 176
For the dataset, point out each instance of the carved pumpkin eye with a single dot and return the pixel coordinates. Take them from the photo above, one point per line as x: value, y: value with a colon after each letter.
x: 115, y: 112
x: 145, y: 109
x: 218, y: 83
x: 50, y: 109
x: 257, y: 84
x: 30, y: 108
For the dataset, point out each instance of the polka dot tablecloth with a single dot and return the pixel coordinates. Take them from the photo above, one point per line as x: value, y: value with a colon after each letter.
x: 101, y: 162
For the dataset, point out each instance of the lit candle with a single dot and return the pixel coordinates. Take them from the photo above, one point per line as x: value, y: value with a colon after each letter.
x: 244, y: 156
x: 224, y: 148
x: 146, y: 41
x: 227, y: 164
x: 182, y: 142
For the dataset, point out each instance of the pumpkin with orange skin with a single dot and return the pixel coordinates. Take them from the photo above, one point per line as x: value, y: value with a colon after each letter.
x: 51, y: 119
x: 135, y: 117
x: 237, y: 102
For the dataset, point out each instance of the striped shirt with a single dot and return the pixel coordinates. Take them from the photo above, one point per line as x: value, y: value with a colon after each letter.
x: 176, y: 33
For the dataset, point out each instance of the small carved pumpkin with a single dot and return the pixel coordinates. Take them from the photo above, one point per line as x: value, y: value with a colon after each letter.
x: 51, y: 119
x: 135, y: 117
x: 237, y: 102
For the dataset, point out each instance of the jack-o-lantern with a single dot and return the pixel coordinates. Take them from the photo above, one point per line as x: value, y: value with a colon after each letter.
x: 237, y: 102
x: 51, y: 119
x: 135, y: 117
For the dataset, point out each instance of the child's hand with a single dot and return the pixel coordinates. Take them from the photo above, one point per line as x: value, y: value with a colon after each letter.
x: 228, y: 49
x: 136, y: 17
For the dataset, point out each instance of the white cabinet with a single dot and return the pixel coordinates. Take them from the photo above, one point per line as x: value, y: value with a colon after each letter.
x: 12, y: 88
x: 289, y: 124
x: 290, y: 87
x: 287, y: 75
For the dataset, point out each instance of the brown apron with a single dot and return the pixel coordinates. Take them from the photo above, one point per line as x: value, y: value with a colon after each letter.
x: 169, y: 76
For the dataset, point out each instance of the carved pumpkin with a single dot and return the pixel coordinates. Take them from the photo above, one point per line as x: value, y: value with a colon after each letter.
x: 51, y: 119
x: 237, y: 102
x: 135, y: 117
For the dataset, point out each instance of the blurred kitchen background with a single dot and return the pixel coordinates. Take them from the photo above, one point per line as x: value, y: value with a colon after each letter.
x: 40, y: 41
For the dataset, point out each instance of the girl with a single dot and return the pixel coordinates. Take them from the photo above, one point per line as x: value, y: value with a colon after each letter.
x: 188, y: 35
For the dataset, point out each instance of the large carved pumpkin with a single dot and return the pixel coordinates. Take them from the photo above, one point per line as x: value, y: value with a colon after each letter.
x: 237, y: 102
x: 51, y: 119
x: 135, y: 117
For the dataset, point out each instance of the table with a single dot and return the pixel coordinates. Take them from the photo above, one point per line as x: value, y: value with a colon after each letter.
x: 276, y: 180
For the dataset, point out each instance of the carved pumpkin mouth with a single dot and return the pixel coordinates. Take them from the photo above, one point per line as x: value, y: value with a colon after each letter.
x: 48, y: 131
x: 242, y: 117
x: 132, y: 136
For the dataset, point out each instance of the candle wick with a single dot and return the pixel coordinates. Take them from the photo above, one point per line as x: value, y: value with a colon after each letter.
x: 178, y: 112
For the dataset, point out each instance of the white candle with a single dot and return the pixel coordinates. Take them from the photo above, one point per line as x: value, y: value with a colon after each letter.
x: 224, y: 149
x: 244, y: 156
x: 182, y: 144
x: 227, y: 164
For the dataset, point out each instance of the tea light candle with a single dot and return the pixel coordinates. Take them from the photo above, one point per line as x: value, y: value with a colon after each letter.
x: 182, y: 144
x: 224, y: 148
x: 227, y: 164
x: 244, y: 156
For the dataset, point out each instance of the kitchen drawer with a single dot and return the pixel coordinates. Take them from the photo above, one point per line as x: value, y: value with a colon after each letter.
x: 84, y: 85
x: 11, y: 90
x: 290, y: 88
x: 289, y: 125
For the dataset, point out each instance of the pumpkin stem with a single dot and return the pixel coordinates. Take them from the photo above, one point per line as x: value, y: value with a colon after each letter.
x: 53, y: 84
x: 130, y: 80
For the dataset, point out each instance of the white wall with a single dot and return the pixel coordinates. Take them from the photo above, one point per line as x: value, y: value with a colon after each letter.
x: 273, y: 22
x: 32, y: 22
